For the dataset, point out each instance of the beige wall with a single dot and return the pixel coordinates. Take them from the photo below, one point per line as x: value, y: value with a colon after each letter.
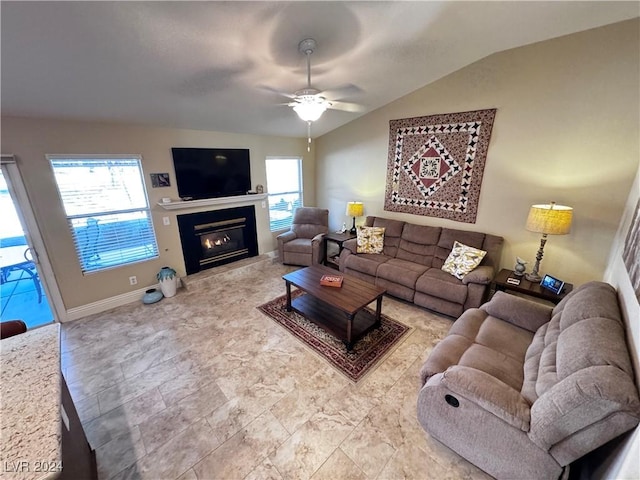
x: 566, y: 130
x: 31, y: 139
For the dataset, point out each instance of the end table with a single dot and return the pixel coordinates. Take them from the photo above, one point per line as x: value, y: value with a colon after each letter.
x: 528, y: 288
x: 338, y: 239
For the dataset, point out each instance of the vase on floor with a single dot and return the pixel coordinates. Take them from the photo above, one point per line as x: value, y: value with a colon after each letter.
x: 168, y: 281
x: 151, y: 296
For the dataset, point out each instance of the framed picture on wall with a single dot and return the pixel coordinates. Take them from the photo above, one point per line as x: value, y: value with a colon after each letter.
x: 631, y: 251
x: 160, y: 180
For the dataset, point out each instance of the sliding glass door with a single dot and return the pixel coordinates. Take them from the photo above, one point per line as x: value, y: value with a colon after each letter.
x: 23, y: 295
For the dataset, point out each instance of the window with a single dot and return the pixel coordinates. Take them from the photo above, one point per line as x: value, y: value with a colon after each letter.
x: 107, y: 209
x: 284, y: 184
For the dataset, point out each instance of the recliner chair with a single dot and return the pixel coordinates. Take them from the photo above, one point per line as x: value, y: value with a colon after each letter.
x: 304, y: 244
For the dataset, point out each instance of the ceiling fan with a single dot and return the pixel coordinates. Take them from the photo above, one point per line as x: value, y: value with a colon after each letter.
x: 310, y: 103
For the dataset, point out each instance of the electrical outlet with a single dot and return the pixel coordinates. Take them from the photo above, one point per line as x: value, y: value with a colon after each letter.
x: 133, y: 280
x: 165, y: 221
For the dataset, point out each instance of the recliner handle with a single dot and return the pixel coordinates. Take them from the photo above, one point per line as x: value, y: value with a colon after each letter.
x: 451, y: 400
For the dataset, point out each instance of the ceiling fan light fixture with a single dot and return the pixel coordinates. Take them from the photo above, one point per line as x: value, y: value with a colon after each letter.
x: 311, y: 108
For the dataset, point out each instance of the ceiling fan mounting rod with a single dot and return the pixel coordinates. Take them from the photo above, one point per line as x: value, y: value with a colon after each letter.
x: 307, y: 46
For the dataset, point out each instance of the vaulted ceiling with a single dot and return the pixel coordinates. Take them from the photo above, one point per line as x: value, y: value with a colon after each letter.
x: 224, y: 66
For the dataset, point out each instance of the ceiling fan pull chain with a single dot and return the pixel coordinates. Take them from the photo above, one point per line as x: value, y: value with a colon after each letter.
x: 308, y: 136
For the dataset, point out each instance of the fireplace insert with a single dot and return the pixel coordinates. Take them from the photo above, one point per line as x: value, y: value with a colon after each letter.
x: 217, y: 237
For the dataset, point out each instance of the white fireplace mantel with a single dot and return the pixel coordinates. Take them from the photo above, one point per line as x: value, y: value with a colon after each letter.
x: 238, y: 199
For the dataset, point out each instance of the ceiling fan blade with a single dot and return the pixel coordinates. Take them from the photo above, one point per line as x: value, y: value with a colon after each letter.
x: 346, y: 106
x: 344, y: 91
x: 277, y: 92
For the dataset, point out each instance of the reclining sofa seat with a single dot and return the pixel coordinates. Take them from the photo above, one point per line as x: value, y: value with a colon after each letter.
x: 521, y: 389
x: 410, y: 265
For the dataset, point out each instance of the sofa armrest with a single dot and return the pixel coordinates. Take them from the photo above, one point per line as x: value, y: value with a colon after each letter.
x: 318, y: 238
x: 581, y: 402
x: 482, y: 274
x: 286, y: 236
x: 519, y: 311
x: 282, y: 239
x: 351, y: 245
x: 488, y: 393
x: 317, y: 249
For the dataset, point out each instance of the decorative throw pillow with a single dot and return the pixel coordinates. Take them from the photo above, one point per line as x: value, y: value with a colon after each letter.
x: 462, y: 260
x: 370, y: 239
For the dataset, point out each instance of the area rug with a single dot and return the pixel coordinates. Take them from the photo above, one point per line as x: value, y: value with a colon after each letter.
x: 435, y: 164
x: 366, y: 353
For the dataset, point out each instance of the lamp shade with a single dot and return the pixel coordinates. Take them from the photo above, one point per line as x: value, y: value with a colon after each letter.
x: 355, y: 209
x: 550, y: 219
x: 310, y: 107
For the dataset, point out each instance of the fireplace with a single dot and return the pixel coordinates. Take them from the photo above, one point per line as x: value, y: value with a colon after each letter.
x: 217, y: 237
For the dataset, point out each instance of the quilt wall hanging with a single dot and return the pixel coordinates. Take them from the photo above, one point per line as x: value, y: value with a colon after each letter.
x: 436, y: 163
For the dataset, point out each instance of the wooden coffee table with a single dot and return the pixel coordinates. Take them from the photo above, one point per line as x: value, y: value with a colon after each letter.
x: 340, y: 311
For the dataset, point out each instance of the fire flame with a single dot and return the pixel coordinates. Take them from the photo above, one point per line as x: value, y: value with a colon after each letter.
x: 217, y: 243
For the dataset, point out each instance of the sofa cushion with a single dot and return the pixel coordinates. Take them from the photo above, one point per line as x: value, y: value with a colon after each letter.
x: 479, y: 341
x: 495, y: 363
x: 370, y: 240
x: 548, y: 368
x: 365, y: 262
x: 592, y: 342
x: 593, y: 299
x: 540, y: 368
x: 401, y: 271
x: 493, y: 246
x: 392, y: 233
x: 445, y: 243
x: 299, y: 245
x: 522, y: 312
x: 531, y: 364
x: 440, y: 284
x: 462, y: 260
x: 309, y: 222
x: 591, y: 330
x: 448, y: 351
x: 418, y: 243
x: 468, y: 325
x: 509, y: 339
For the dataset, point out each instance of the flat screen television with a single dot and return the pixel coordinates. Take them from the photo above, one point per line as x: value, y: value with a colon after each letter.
x: 211, y: 172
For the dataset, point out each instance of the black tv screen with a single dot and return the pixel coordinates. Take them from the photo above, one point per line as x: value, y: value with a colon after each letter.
x: 211, y: 172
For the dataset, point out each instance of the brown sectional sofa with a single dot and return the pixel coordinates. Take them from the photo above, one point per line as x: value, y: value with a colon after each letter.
x: 410, y: 265
x: 522, y: 389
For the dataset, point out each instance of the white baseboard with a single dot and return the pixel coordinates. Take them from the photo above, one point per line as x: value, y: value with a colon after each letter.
x: 120, y: 300
x: 107, y: 304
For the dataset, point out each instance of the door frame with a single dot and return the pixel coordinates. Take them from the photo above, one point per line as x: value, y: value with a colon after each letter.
x: 32, y: 233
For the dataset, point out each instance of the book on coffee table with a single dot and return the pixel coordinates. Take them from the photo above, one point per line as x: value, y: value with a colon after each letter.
x: 331, y: 280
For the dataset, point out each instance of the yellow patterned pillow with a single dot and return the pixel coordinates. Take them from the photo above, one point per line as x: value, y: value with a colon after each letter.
x: 462, y: 260
x: 370, y: 239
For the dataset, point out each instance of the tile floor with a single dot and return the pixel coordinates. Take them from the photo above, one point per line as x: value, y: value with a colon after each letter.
x: 204, y: 386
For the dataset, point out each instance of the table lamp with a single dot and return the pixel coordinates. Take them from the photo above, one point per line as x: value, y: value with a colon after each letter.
x: 354, y: 209
x: 549, y: 219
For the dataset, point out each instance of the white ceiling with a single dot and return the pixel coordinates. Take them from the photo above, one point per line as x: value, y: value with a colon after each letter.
x: 219, y: 65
